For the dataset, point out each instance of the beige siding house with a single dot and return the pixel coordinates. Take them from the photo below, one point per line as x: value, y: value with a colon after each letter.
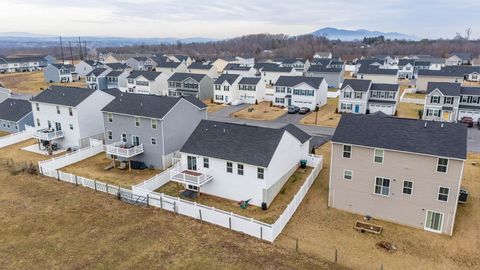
x: 400, y: 170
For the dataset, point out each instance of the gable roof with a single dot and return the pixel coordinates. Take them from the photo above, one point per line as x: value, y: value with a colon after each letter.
x: 322, y: 61
x: 59, y: 66
x: 250, y: 80
x: 149, y: 75
x: 165, y: 64
x: 404, y: 62
x: 117, y: 66
x: 450, y: 71
x: 385, y: 87
x: 322, y: 68
x: 63, y: 95
x: 14, y: 109
x: 376, y: 70
x: 470, y: 90
x: 446, y: 88
x: 357, y: 85
x: 238, y: 67
x: 229, y: 78
x: 114, y: 73
x: 179, y: 76
x: 291, y: 81
x: 147, y: 105
x: 96, y: 72
x: 293, y: 60
x: 462, y: 55
x: 409, y: 135
x: 238, y: 142
x: 200, y: 65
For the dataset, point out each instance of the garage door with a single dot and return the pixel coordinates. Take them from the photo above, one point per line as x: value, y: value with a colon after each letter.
x: 386, y: 109
x: 474, y: 114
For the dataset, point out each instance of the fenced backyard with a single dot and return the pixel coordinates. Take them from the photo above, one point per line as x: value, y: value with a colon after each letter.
x: 16, y: 137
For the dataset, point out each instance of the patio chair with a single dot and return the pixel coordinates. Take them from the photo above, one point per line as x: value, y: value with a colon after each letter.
x: 110, y: 166
x: 123, y: 165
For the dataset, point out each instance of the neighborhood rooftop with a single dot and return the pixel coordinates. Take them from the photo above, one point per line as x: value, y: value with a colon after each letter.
x: 357, y: 85
x: 149, y: 75
x: 415, y: 136
x: 229, y: 78
x: 14, y: 109
x: 291, y: 81
x: 179, y: 77
x: 250, y: 80
x: 63, y: 95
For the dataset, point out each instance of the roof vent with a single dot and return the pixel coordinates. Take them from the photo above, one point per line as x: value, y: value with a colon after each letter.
x: 141, y: 104
x: 224, y: 130
x: 425, y: 125
x: 441, y: 125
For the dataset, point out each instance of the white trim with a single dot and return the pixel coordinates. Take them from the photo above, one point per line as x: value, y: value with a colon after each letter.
x: 375, y: 155
x: 456, y: 204
x: 403, y: 186
x: 343, y: 151
x: 425, y: 223
x: 448, y: 195
x: 351, y: 175
x: 389, y: 186
x: 330, y: 190
x: 436, y: 166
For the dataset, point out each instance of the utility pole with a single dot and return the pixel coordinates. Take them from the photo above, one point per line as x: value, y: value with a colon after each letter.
x: 85, y: 49
x: 80, y: 48
x: 71, y: 52
x: 61, y: 48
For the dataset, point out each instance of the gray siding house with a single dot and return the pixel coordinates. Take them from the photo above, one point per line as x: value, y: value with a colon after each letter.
x: 400, y: 170
x: 15, y: 114
x: 190, y: 84
x: 150, y: 129
x: 332, y: 75
x: 59, y: 73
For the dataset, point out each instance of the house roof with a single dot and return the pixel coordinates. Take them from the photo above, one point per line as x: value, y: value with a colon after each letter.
x: 113, y: 91
x: 375, y: 70
x: 230, y: 78
x: 238, y: 67
x: 462, y: 55
x: 322, y: 61
x: 293, y: 60
x: 291, y: 81
x: 470, y: 90
x: 181, y: 57
x: 117, y: 66
x: 149, y: 75
x: 114, y: 73
x: 179, y: 77
x: 96, y: 72
x: 250, y: 80
x: 238, y: 142
x: 422, y: 63
x: 59, y: 66
x: 140, y: 58
x: 63, y: 95
x: 368, y: 62
x: 147, y: 105
x: 450, y: 71
x: 199, y: 65
x: 276, y: 68
x: 404, y: 62
x: 14, y: 109
x: 165, y: 64
x: 357, y: 85
x: 322, y: 68
x: 385, y: 87
x: 323, y: 54
x: 409, y: 135
x: 446, y: 88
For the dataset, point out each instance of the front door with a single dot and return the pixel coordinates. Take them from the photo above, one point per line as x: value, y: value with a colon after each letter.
x: 357, y: 108
x: 191, y: 163
x: 289, y: 102
x: 446, y: 116
x: 226, y: 99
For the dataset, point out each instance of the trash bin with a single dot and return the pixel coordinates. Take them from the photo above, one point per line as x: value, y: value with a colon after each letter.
x: 303, y: 164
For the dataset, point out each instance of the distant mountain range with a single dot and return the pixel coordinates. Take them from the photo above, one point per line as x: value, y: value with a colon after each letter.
x: 350, y: 35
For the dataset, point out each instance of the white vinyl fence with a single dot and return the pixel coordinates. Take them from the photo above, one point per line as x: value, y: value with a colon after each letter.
x: 411, y: 100
x: 17, y: 137
x: 333, y: 94
x: 250, y: 226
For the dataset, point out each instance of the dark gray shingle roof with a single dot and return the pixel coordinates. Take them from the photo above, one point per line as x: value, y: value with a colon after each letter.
x: 14, y: 109
x: 291, y: 81
x: 385, y: 87
x: 149, y: 75
x: 179, y: 77
x: 199, y: 65
x: 237, y: 142
x: 447, y: 89
x: 470, y: 90
x: 375, y: 70
x: 357, y: 85
x: 96, y: 72
x: 67, y: 66
x: 250, y: 80
x: 237, y: 67
x: 63, y: 95
x: 321, y: 68
x: 416, y: 136
x: 230, y: 78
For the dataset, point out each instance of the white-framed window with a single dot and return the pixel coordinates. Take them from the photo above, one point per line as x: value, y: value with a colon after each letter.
x: 435, y: 99
x: 240, y: 169
x: 347, y: 94
x: 407, y: 187
x: 347, y: 151
x: 38, y: 122
x: 70, y: 111
x: 347, y: 175
x: 124, y: 137
x: 443, y: 194
x: 358, y: 95
x: 109, y: 135
x: 154, y: 141
x: 71, y: 126
x: 434, y: 221
x: 110, y: 117
x: 206, y: 163
x: 37, y: 106
x: 137, y: 121
x: 58, y: 109
x: 229, y: 167
x: 260, y: 173
x: 442, y: 165
x: 382, y: 186
x: 154, y: 123
x: 378, y: 156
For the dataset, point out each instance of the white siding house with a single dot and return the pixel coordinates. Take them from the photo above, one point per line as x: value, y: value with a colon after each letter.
x: 147, y: 82
x: 301, y: 91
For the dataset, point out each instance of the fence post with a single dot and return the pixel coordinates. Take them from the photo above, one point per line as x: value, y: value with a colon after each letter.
x: 58, y: 175
x: 106, y: 187
x: 95, y: 184
x: 118, y: 194
x: 336, y: 255
x: 230, y: 222
x: 296, y: 245
x: 76, y: 182
x: 148, y: 198
x: 174, y: 207
x: 161, y: 200
x: 200, y: 213
x: 261, y: 232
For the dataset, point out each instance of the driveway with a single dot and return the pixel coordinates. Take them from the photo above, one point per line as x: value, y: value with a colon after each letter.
x: 225, y: 112
x: 473, y: 140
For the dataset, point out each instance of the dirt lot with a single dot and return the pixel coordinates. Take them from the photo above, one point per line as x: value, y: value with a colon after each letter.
x: 30, y: 82
x: 48, y: 224
x: 93, y: 168
x: 213, y: 107
x: 320, y: 230
x: 408, y: 110
x: 326, y: 115
x: 261, y: 111
x: 466, y: 83
x: 274, y: 211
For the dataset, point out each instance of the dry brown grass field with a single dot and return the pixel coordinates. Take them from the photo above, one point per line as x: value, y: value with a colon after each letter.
x: 30, y: 82
x: 261, y: 111
x: 325, y: 116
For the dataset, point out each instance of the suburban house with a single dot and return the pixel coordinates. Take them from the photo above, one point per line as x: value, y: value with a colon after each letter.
x: 378, y: 75
x: 419, y: 65
x: 332, y: 75
x: 252, y: 90
x: 458, y: 59
x: 299, y: 64
x: 301, y: 91
x: 147, y: 82
x: 169, y: 68
x: 117, y: 66
x: 84, y: 67
x: 364, y: 97
x: 96, y: 79
x: 226, y: 88
x: 150, y: 129
x: 24, y: 63
x: 15, y: 114
x: 203, y: 68
x: 323, y: 55
x: 401, y: 170
x: 406, y: 68
x: 270, y: 72
x: 67, y: 117
x: 450, y: 102
x: 179, y: 58
x: 117, y: 79
x: 59, y: 73
x: 217, y: 160
x: 190, y: 84
x: 452, y: 74
x: 245, y: 71
x: 140, y: 63
x: 368, y: 63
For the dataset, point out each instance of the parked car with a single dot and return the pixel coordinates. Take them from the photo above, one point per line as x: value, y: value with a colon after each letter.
x: 293, y: 109
x: 468, y: 121
x: 304, y: 110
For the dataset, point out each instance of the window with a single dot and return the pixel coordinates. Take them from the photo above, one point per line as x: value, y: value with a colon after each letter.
x: 382, y: 186
x: 435, y: 99
x: 206, y: 163
x: 279, y: 100
x: 347, y: 175
x: 37, y: 106
x: 434, y: 221
x: 38, y: 122
x: 137, y: 121
x: 58, y: 109
x: 347, y: 94
x: 260, y: 173
x: 347, y: 151
x: 154, y: 141
x: 448, y: 100
x: 16, y: 126
x: 407, y: 187
x: 109, y: 135
x: 240, y: 169
x: 154, y: 123
x: 70, y: 111
x: 358, y: 95
x: 378, y: 156
x: 135, y: 140
x: 229, y: 167
x: 442, y: 165
x: 226, y: 88
x: 443, y: 194
x: 71, y: 127
x: 124, y: 137
x: 218, y: 87
x: 110, y: 117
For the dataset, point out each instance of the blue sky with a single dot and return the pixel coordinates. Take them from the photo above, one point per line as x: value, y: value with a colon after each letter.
x: 230, y: 18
